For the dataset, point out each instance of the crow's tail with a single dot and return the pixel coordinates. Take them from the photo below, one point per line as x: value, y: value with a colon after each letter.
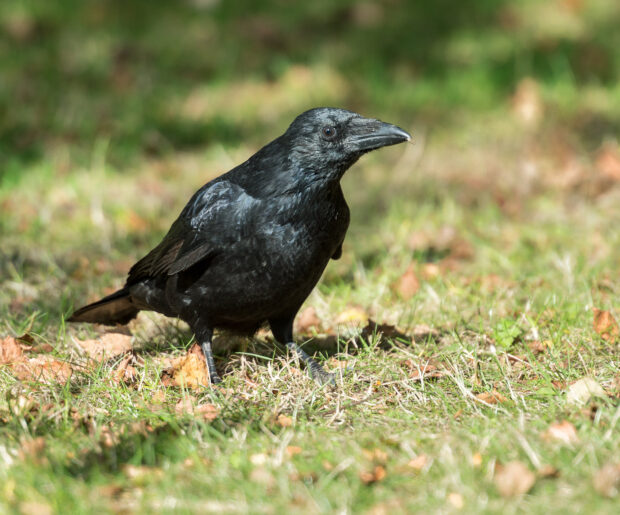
x: 111, y: 310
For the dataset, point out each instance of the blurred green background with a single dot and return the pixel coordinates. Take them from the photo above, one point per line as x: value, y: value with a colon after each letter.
x: 158, y: 77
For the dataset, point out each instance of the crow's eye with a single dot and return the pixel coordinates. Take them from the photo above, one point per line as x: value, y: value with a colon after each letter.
x: 328, y: 132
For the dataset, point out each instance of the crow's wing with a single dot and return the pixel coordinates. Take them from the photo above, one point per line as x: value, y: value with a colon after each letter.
x: 215, y: 217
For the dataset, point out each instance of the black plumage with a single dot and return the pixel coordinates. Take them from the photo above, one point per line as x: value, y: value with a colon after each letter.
x: 250, y: 245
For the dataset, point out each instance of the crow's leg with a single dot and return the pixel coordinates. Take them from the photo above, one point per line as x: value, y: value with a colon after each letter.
x: 204, y: 336
x: 282, y: 330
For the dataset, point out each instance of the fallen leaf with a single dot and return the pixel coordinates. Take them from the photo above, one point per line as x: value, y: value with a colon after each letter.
x: 32, y: 449
x: 476, y: 459
x: 547, y: 471
x: 537, y: 347
x: 106, y: 346
x: 187, y: 406
x: 608, y: 161
x: 408, y: 284
x: 376, y: 455
x: 563, y: 432
x: 353, y: 316
x: 605, y: 325
x: 10, y: 351
x: 419, y: 462
x: 43, y: 369
x: 513, y: 479
x: 307, y: 320
x: 424, y: 371
x: 125, y: 372
x: 189, y: 371
x: 580, y: 392
x: 284, y: 421
x: 493, y: 397
x: 35, y: 508
x: 370, y: 477
x: 607, y: 480
x: 207, y: 412
x: 293, y: 450
x: 456, y: 500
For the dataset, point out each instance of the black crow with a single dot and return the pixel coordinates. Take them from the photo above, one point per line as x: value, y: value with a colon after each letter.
x: 250, y: 245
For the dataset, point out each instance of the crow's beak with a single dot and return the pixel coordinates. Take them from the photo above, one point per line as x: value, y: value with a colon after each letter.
x: 376, y: 134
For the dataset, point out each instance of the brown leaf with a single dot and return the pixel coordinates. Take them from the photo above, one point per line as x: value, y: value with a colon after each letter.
x: 608, y: 161
x: 43, y: 369
x: 424, y: 371
x: 293, y: 450
x: 370, y: 477
x: 408, y: 284
x: 106, y: 346
x: 419, y: 462
x: 307, y: 320
x: 207, y: 412
x: 125, y: 372
x: 563, y: 432
x: 284, y: 421
x: 189, y: 371
x: 513, y: 479
x: 32, y: 449
x: 493, y: 397
x: 547, y: 471
x: 607, y: 480
x: 35, y: 508
x: 476, y: 459
x: 605, y: 325
x: 187, y: 406
x: 10, y: 351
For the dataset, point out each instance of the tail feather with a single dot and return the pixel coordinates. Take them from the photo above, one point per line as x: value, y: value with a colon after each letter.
x: 111, y: 310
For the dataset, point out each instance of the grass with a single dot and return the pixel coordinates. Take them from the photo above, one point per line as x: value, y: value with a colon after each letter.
x: 508, y: 224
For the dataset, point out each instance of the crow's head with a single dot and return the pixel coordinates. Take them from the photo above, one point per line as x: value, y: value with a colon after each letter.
x: 327, y: 140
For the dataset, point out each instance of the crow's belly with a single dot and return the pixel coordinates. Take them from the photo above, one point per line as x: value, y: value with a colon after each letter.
x: 245, y: 289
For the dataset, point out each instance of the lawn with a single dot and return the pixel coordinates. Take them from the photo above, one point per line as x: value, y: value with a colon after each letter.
x: 472, y: 319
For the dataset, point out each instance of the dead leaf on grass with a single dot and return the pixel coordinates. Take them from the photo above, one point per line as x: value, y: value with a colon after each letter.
x: 607, y: 480
x: 423, y: 371
x: 370, y: 477
x: 408, y: 284
x: 32, y: 449
x: 293, y: 450
x: 106, y: 346
x: 284, y: 420
x: 580, y: 392
x: 493, y: 397
x: 43, y: 369
x: 605, y: 325
x: 125, y: 372
x: 10, y: 351
x: 547, y: 472
x: 563, y: 432
x: 189, y: 371
x: 35, y: 508
x: 608, y: 161
x: 418, y: 463
x: 513, y: 479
